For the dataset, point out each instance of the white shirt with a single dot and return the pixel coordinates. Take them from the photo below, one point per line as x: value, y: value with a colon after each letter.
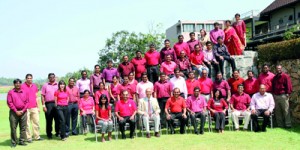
x: 141, y: 88
x: 265, y: 101
x: 83, y: 85
x: 179, y: 83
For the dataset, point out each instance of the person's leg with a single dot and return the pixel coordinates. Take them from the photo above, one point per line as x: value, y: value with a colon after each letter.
x: 13, y: 120
x: 246, y: 115
x: 68, y: 119
x: 83, y: 121
x: 156, y: 72
x: 265, y: 121
x: 235, y: 118
x: 35, y: 123
x: 49, y: 119
x: 109, y: 129
x: 23, y: 123
x: 146, y: 123
x: 216, y: 68
x: 171, y: 122
x: 56, y: 120
x: 104, y: 126
x: 61, y: 121
x: 132, y: 126
x: 209, y: 68
x: 150, y: 74
x: 222, y: 119
x: 74, y: 117
x: 156, y: 122
x: 202, y: 119
x: 194, y: 122
x: 221, y: 65
x: 29, y: 119
x: 286, y: 112
x: 162, y: 104
x: 122, y: 127
x: 217, y: 120
x: 183, y: 122
x: 231, y: 61
x: 194, y: 68
x: 278, y: 110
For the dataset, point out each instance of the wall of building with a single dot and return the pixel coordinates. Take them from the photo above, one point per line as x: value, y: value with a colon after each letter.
x: 281, y: 14
x: 171, y: 33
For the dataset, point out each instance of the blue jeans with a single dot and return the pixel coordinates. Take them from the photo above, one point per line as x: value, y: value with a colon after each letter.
x: 199, y: 70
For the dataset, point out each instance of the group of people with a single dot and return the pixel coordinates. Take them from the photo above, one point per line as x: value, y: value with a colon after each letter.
x: 173, y: 84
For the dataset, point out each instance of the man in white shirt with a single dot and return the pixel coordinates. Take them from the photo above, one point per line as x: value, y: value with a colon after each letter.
x: 83, y: 83
x: 143, y: 85
x: 179, y: 82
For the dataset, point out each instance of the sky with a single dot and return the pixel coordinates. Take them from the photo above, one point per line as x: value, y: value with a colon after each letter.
x: 39, y: 36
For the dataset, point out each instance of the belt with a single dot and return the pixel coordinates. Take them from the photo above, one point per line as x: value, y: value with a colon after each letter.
x: 280, y: 94
x: 109, y: 81
x: 152, y: 65
x: 49, y: 102
x: 72, y: 102
x: 205, y: 93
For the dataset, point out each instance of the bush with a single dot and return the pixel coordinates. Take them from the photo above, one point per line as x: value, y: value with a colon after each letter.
x: 274, y: 52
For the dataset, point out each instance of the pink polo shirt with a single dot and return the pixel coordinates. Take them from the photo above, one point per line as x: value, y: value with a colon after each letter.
x: 266, y: 79
x: 191, y: 85
x: 141, y: 88
x: 17, y: 100
x: 48, y: 91
x: 152, y: 58
x: 178, y: 47
x: 125, y: 109
x: 73, y: 94
x: 223, y: 86
x: 99, y: 93
x: 62, y: 98
x: 31, y: 90
x: 206, y: 85
x: 131, y: 88
x: 87, y: 105
x: 196, y: 104
x: 168, y: 67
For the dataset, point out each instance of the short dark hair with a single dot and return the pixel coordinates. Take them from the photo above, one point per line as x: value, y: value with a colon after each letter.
x: 196, y: 45
x: 265, y: 65
x: 97, y: 66
x: 192, y: 33
x: 236, y: 70
x: 216, y: 23
x: 51, y: 74
x: 228, y: 21
x: 208, y: 42
x: 83, y: 72
x: 72, y: 78
x: 86, y: 91
x: 162, y: 73
x: 237, y: 14
x: 180, y: 36
x: 144, y: 74
x: 249, y: 71
x: 28, y: 75
x: 176, y: 69
x: 151, y: 45
x: 242, y: 85
x: 166, y: 40
x: 17, y: 81
x: 196, y: 88
x: 109, y: 61
x: 220, y: 37
x: 138, y: 51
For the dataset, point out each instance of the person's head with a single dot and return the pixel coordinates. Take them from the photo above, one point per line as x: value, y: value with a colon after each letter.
x: 144, y: 77
x: 125, y: 95
x: 177, y: 72
x: 86, y: 93
x: 97, y: 68
x: 17, y: 84
x: 265, y: 68
x: 196, y: 91
x: 109, y: 63
x: 279, y: 69
x: 125, y: 58
x: 202, y: 32
x: 131, y: 76
x: 168, y: 58
x: 148, y: 92
x: 162, y: 76
x: 220, y: 40
x: 103, y: 101
x: 125, y: 80
x: 180, y: 38
x: 182, y: 54
x: 204, y: 73
x: 176, y: 92
x: 115, y: 79
x: 138, y: 54
x: 191, y: 75
x: 167, y: 43
x: 71, y: 81
x: 227, y: 23
x: 51, y: 77
x: 250, y: 74
x: 83, y: 74
x: 240, y: 88
x: 197, y: 48
x: 216, y: 25
x: 62, y: 85
x: 217, y: 94
x: 192, y: 35
x: 237, y: 16
x: 152, y: 47
x: 262, y: 89
x: 219, y: 77
x: 101, y: 86
x: 28, y: 78
x: 209, y: 45
x: 236, y: 74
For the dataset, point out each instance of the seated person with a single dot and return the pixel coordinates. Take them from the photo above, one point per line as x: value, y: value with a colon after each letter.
x: 197, y: 60
x: 87, y: 109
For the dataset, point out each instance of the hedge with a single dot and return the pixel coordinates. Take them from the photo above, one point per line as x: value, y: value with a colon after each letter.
x: 284, y: 50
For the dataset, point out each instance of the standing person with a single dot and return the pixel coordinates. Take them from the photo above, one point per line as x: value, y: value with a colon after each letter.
x: 197, y: 60
x: 103, y: 116
x: 139, y: 64
x: 168, y: 66
x: 262, y: 104
x: 74, y: 98
x: 108, y: 73
x: 191, y: 83
x: 152, y: 58
x: 184, y: 64
x: 179, y: 82
x: 17, y: 101
x: 114, y: 89
x: 130, y: 88
x: 125, y: 111
x: 176, y: 109
x: 83, y: 83
x: 162, y: 91
x: 125, y: 67
x: 142, y: 86
x: 266, y: 78
x: 215, y: 33
x: 282, y: 89
x: 240, y: 28
x: 49, y: 107
x: 95, y: 79
x: 181, y: 46
x: 87, y: 110
x: 223, y: 86
x: 250, y: 84
x: 196, y: 105
x: 206, y: 86
x: 221, y: 53
x: 210, y: 59
x: 101, y: 91
x: 149, y: 110
x: 61, y: 98
x: 203, y: 39
x: 235, y: 81
x: 167, y: 50
x: 192, y: 42
x: 232, y: 40
x: 218, y: 106
x: 33, y: 111
x: 132, y: 81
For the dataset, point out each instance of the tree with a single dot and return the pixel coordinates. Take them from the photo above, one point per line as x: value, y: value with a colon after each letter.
x: 76, y: 75
x: 127, y: 43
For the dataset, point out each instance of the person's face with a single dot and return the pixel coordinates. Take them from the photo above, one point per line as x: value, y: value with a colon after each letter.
x: 191, y: 75
x: 220, y: 41
x: 219, y: 76
x: 279, y: 69
x: 138, y: 55
x: 217, y: 26
x: 167, y: 44
x: 126, y: 80
x: 148, y: 93
x: 237, y: 17
x: 163, y: 77
x: 204, y: 73
x: 202, y: 33
x: 62, y: 87
x: 236, y: 74
x: 29, y: 79
x: 86, y: 94
x: 196, y: 93
x: 250, y: 75
x: 262, y: 89
x: 152, y: 48
x: 71, y: 82
x: 103, y: 100
x: 115, y: 80
x: 265, y: 69
x: 176, y: 93
x: 125, y: 58
x: 145, y: 78
x: 17, y: 85
x: 227, y: 24
x: 177, y: 74
x: 130, y: 76
x: 52, y: 78
x: 209, y: 46
x: 240, y: 89
x: 217, y: 94
x: 97, y: 69
x: 182, y: 54
x: 110, y: 65
x: 125, y: 95
x: 102, y: 86
x: 168, y: 58
x: 192, y: 36
x: 180, y: 39
x: 84, y: 75
x: 197, y: 48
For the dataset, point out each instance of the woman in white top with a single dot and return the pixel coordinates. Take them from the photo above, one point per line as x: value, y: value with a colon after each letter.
x: 203, y: 38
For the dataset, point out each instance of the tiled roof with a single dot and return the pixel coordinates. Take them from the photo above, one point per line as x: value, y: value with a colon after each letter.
x: 278, y: 4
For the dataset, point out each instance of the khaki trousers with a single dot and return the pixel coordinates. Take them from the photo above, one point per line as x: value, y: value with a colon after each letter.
x: 33, y: 121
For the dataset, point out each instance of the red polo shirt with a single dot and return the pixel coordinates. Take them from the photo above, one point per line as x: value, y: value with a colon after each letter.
x: 234, y: 83
x: 282, y: 84
x: 129, y: 87
x: 125, y: 68
x: 139, y: 65
x: 191, y: 84
x: 240, y: 102
x: 197, y: 59
x: 152, y: 58
x: 175, y: 105
x: 162, y: 89
x: 125, y: 109
x: 251, y: 86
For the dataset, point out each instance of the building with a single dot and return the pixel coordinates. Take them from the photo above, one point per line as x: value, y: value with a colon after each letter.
x: 185, y: 27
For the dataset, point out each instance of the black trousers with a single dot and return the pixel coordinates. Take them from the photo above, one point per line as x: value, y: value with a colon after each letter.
x: 186, y: 73
x: 183, y: 121
x: 220, y: 120
x: 72, y: 117
x: 260, y: 112
x: 14, y: 120
x: 195, y: 123
x: 162, y: 104
x: 51, y: 114
x: 152, y: 72
x: 214, y: 65
x: 88, y: 119
x: 229, y: 60
x: 131, y: 124
x: 62, y: 115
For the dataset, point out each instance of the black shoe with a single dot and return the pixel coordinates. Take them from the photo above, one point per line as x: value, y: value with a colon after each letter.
x: 57, y: 134
x: 196, y: 132
x: 40, y: 139
x: 201, y: 132
x: 49, y: 137
x: 75, y: 134
x: 132, y: 137
x: 123, y: 136
x: 172, y: 132
x: 13, y: 145
x: 29, y: 141
x: 264, y: 130
x: 22, y: 144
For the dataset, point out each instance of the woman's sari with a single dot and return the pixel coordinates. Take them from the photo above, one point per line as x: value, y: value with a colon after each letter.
x: 240, y: 29
x: 233, y: 42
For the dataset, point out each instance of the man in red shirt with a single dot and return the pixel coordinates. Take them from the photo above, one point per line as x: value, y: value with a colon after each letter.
x: 191, y: 83
x: 197, y: 60
x: 74, y: 98
x: 251, y: 84
x: 206, y: 85
x: 130, y: 88
x: 184, y: 64
x: 139, y: 64
x: 167, y: 50
x: 176, y: 109
x: 125, y: 67
x: 235, y: 81
x: 266, y: 78
x: 223, y: 86
x: 281, y: 89
x: 152, y: 59
x: 181, y: 46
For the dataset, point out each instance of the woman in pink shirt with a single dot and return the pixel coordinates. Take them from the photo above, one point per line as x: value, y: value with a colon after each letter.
x: 101, y: 91
x: 87, y: 110
x: 113, y: 89
x: 131, y: 79
x: 103, y: 116
x: 61, y: 98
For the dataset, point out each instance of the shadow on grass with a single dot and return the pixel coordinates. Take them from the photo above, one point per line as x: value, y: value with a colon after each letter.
x: 6, y: 143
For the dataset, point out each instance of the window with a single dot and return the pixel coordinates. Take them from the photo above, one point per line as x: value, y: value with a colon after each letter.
x: 188, y: 27
x: 178, y: 29
x: 280, y: 21
x: 209, y: 27
x: 199, y: 27
x: 290, y: 17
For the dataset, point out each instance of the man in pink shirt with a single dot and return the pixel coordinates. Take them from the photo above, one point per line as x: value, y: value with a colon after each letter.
x: 17, y: 101
x: 73, y: 92
x: 223, y: 86
x: 196, y: 105
x: 250, y: 84
x: 168, y: 67
x: 167, y: 50
x: 197, y: 61
x: 206, y: 86
x: 126, y: 67
x: 184, y: 65
x: 95, y: 79
x: 181, y: 46
x: 152, y: 58
x: 215, y: 33
x: 33, y: 109
x: 266, y: 78
x: 49, y: 107
x: 191, y: 83
x: 139, y: 64
x: 192, y: 42
x: 131, y: 88
x: 125, y: 111
x: 142, y: 86
x: 83, y: 83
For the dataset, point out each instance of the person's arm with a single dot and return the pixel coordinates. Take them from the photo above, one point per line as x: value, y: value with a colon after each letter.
x: 271, y: 103
x: 110, y: 93
x: 97, y: 114
x: 212, y: 39
x: 55, y: 100
x: 10, y: 102
x: 92, y: 84
x: 185, y: 91
x: 140, y: 109
x: 109, y: 114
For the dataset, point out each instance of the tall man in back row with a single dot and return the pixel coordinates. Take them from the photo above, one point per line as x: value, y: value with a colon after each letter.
x: 152, y: 58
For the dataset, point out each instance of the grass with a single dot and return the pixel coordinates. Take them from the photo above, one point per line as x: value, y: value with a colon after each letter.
x: 273, y: 139
x: 5, y: 89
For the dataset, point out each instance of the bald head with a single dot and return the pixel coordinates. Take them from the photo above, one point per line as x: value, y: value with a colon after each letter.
x: 149, y: 92
x: 262, y: 89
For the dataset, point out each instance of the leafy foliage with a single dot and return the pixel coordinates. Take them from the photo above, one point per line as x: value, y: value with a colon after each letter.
x: 76, y: 74
x: 289, y: 34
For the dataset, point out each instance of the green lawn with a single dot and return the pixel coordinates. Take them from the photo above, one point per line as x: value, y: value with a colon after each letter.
x: 273, y: 139
x: 5, y: 89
